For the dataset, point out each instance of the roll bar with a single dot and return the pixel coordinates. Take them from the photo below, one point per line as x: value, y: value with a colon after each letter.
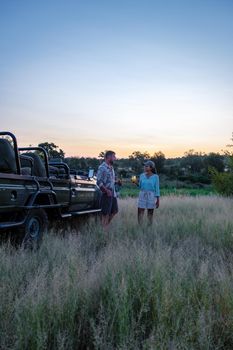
x: 15, y: 146
x: 41, y: 149
x: 61, y: 165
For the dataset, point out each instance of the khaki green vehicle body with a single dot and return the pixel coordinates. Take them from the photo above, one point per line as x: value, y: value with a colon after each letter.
x: 32, y: 193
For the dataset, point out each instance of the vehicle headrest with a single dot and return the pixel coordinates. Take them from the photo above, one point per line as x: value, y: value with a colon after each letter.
x: 7, y: 157
x: 38, y: 166
x: 26, y: 161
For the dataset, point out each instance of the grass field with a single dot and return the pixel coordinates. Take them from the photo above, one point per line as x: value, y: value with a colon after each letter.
x: 169, y: 286
x: 131, y: 191
x: 176, y: 188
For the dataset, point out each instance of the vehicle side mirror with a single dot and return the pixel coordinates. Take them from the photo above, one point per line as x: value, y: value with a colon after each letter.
x: 91, y: 173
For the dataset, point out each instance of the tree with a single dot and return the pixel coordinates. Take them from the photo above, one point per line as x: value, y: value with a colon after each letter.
x: 137, y: 159
x: 159, y: 159
x: 229, y: 156
x: 231, y: 144
x: 53, y: 150
x: 102, y: 154
x: 193, y: 161
x: 223, y: 181
x: 139, y: 155
x: 83, y: 163
x: 214, y: 160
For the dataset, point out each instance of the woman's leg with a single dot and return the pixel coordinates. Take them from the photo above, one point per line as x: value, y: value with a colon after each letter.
x: 150, y: 213
x: 140, y: 215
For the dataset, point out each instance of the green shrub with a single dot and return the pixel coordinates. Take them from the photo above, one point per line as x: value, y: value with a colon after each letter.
x: 222, y: 182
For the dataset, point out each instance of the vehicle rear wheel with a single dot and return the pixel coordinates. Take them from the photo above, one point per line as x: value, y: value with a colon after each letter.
x: 34, y: 228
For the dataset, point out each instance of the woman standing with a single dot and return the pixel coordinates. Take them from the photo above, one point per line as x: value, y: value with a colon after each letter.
x: 149, y: 192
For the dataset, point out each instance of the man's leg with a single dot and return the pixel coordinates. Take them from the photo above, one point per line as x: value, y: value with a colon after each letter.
x: 106, y: 203
x: 140, y: 215
x: 105, y: 221
x: 150, y: 213
x: 111, y: 217
x: 114, y: 209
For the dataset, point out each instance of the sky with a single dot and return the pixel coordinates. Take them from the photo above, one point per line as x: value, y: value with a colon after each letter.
x: 147, y: 75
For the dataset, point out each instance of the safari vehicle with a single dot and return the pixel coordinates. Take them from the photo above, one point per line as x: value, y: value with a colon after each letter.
x: 32, y: 190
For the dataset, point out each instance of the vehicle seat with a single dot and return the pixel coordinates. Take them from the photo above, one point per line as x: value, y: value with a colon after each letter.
x: 62, y: 174
x: 38, y: 166
x: 26, y: 171
x: 57, y: 171
x: 7, y: 157
x: 26, y: 164
x: 53, y: 171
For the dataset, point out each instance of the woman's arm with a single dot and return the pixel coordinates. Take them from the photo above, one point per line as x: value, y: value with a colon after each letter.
x: 157, y: 191
x: 140, y: 182
x: 136, y: 181
x: 156, y: 186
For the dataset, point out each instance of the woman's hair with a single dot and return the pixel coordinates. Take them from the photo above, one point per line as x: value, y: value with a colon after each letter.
x: 153, y: 169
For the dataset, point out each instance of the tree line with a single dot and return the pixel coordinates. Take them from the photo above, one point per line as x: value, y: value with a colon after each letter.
x: 193, y: 168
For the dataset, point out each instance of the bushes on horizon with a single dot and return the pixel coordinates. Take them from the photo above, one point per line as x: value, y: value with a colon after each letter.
x: 223, y: 181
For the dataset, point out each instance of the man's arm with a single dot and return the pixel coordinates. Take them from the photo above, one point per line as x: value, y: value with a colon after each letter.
x: 101, y: 181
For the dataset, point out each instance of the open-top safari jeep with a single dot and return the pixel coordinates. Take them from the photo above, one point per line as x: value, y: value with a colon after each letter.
x: 32, y: 190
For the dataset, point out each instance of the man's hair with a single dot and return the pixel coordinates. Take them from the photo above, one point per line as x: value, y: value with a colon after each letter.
x: 109, y: 154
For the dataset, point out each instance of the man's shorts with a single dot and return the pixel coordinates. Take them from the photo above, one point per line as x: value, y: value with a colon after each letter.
x: 108, y: 204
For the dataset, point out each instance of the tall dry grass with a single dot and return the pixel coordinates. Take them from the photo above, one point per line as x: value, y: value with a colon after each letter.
x: 169, y: 286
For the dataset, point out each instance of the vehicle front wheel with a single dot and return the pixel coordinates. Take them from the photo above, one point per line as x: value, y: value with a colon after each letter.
x: 34, y: 228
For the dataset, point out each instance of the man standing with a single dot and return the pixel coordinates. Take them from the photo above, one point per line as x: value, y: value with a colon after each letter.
x: 106, y: 183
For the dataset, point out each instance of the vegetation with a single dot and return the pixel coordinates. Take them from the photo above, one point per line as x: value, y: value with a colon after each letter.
x: 53, y: 150
x: 193, y: 174
x: 223, y: 181
x: 191, y: 170
x: 168, y: 286
x: 168, y: 187
x: 130, y: 191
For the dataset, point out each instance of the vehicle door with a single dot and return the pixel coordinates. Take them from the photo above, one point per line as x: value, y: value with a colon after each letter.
x: 82, y: 193
x: 62, y: 189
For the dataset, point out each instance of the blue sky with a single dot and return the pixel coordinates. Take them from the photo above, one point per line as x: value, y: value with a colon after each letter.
x: 126, y: 75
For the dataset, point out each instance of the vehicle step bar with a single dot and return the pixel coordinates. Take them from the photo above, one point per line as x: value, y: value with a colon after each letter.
x: 64, y: 216
x: 6, y: 225
x: 92, y: 211
x: 43, y: 206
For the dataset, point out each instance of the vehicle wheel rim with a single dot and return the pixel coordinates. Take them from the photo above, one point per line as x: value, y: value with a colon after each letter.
x: 34, y: 228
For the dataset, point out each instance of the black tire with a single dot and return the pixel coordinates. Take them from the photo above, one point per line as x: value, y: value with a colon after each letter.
x: 34, y: 228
